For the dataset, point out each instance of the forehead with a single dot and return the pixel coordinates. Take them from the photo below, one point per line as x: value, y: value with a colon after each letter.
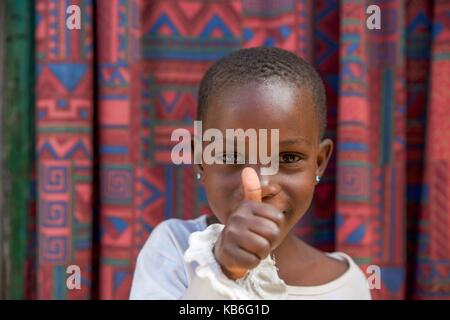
x: 270, y: 105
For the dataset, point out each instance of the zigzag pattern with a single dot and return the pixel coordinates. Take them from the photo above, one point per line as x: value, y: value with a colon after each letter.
x: 151, y: 56
x: 64, y: 102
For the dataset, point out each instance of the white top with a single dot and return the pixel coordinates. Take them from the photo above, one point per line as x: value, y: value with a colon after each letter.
x: 177, y: 262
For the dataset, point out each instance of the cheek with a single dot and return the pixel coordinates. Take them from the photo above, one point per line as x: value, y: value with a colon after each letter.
x: 222, y: 192
x: 301, y: 191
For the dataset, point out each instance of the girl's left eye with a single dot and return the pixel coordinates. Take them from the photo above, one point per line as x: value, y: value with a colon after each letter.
x: 290, y: 157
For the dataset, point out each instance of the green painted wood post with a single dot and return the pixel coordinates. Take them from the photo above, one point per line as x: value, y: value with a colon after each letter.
x: 17, y: 135
x: 2, y: 222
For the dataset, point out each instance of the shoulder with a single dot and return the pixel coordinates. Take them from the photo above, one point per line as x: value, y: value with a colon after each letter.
x: 175, y: 233
x: 337, y: 267
x: 160, y: 272
x: 350, y: 265
x: 339, y: 264
x: 327, y: 267
x: 354, y: 277
x: 336, y: 276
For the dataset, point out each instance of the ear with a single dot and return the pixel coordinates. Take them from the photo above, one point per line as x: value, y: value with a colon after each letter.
x: 198, y: 168
x: 324, y: 155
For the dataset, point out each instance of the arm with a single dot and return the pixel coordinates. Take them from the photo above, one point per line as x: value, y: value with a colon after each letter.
x: 157, y: 277
x: 162, y: 273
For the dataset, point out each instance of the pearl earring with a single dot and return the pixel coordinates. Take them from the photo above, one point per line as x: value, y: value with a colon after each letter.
x: 198, y: 176
x: 317, y: 179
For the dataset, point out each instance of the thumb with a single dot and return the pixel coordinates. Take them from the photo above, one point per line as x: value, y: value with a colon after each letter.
x: 251, y: 184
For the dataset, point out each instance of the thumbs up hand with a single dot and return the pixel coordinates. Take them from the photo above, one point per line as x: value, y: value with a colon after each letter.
x: 251, y: 232
x: 251, y: 185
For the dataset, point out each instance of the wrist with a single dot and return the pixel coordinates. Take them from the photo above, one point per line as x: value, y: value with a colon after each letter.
x: 229, y: 273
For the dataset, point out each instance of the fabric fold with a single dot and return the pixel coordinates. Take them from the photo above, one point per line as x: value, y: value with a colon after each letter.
x: 261, y: 282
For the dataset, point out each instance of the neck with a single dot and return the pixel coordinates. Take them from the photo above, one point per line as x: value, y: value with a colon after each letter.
x: 290, y: 244
x: 293, y: 253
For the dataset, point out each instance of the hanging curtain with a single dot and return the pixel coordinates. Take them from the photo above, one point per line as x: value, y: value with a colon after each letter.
x: 107, y: 97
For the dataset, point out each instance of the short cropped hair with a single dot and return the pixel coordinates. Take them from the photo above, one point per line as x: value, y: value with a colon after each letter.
x: 259, y: 65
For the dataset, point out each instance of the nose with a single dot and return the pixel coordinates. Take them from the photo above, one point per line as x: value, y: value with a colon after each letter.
x: 269, y: 187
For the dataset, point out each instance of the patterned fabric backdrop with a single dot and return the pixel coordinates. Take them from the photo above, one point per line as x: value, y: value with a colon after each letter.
x: 108, y: 96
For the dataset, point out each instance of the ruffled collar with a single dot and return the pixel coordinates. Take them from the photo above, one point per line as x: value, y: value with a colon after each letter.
x: 261, y: 282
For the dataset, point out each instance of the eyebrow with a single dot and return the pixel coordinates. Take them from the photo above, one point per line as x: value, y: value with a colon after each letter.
x: 289, y: 141
x: 295, y: 141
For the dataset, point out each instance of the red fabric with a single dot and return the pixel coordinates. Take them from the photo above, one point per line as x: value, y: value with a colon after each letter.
x: 109, y: 95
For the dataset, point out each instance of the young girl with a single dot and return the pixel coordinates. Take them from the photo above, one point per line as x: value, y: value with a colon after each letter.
x: 248, y: 249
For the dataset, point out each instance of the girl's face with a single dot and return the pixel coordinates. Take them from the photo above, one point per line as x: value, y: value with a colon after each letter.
x: 301, y: 155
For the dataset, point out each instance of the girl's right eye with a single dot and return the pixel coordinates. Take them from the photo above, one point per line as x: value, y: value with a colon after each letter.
x: 229, y: 158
